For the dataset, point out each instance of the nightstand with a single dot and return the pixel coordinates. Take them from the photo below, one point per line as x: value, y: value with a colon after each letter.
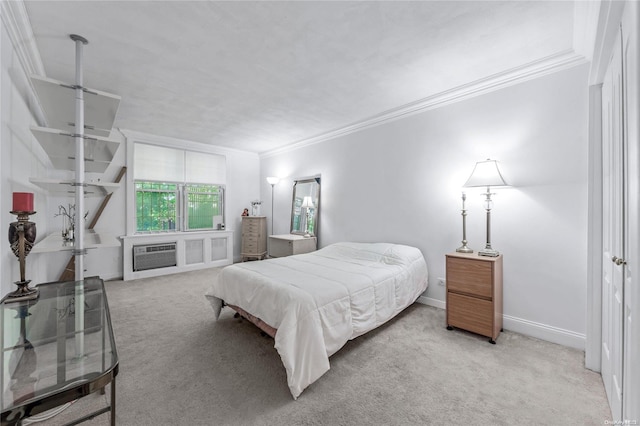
x: 290, y: 244
x: 474, y: 293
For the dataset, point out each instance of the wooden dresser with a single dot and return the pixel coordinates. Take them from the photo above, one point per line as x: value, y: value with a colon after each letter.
x: 254, y: 237
x: 474, y: 293
x: 290, y: 244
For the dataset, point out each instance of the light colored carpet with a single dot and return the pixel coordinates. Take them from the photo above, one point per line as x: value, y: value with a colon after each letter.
x: 178, y: 366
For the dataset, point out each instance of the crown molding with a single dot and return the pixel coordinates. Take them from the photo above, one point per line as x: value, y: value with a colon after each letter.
x: 168, y: 141
x: 16, y: 21
x: 548, y: 65
x: 585, y: 27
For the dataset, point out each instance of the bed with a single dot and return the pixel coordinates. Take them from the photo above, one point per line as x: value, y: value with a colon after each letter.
x: 315, y: 302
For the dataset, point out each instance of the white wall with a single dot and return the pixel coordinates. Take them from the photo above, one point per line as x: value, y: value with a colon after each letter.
x: 20, y: 158
x: 401, y: 182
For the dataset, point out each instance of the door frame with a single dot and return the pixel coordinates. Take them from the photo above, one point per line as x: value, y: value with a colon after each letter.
x: 611, y: 15
x: 609, y: 20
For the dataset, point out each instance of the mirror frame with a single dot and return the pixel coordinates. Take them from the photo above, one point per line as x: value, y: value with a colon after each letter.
x: 316, y: 214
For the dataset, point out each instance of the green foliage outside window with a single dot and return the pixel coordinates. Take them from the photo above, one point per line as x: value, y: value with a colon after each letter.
x: 156, y: 206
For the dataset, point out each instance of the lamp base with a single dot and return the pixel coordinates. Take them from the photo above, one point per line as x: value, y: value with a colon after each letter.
x: 488, y: 252
x: 464, y: 248
x: 24, y: 292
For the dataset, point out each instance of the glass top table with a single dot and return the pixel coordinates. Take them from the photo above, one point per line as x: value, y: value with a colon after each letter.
x: 56, y: 349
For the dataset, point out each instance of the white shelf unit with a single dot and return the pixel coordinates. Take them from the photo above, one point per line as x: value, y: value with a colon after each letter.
x: 66, y: 187
x: 58, y: 139
x: 60, y: 147
x: 58, y: 103
x: 92, y: 239
x: 79, y: 121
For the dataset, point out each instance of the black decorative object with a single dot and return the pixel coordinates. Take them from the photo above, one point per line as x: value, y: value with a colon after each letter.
x: 22, y: 236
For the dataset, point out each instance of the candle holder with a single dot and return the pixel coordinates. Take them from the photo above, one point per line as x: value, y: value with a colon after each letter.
x: 464, y: 248
x: 22, y: 235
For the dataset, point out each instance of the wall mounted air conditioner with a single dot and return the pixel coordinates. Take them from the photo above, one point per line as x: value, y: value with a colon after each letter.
x: 153, y: 256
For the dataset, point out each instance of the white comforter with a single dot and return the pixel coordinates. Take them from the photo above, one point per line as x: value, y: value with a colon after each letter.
x: 320, y: 300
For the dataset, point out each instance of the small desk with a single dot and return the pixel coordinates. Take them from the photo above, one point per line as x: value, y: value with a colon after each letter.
x: 56, y: 349
x: 290, y: 244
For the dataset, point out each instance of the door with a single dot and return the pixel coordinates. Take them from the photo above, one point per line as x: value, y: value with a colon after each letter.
x: 613, y: 233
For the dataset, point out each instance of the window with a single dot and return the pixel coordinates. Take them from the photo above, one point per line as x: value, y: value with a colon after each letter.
x: 156, y: 206
x: 204, y: 206
x: 178, y: 190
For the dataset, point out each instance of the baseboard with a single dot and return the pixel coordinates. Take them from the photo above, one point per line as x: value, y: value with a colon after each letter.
x: 545, y: 332
x: 431, y: 302
x: 528, y: 328
x: 111, y: 277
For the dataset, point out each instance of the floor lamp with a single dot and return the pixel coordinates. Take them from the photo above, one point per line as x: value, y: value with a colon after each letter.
x: 272, y: 181
x: 486, y: 173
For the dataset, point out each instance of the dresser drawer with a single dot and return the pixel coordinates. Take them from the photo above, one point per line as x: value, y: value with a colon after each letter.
x: 472, y: 277
x: 471, y: 314
x: 251, y: 228
x: 249, y: 244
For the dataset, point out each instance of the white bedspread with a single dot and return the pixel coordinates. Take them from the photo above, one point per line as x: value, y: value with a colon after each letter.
x: 320, y: 300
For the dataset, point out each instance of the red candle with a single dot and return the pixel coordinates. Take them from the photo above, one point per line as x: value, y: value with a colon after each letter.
x: 22, y: 202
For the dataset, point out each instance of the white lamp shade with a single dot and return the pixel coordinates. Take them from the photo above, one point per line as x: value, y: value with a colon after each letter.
x: 273, y: 180
x: 307, y: 203
x: 486, y: 173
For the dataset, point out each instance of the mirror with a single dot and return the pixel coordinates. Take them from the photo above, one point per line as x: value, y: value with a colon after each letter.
x: 305, y: 207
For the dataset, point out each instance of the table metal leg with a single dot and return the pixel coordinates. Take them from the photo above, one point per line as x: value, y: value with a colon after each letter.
x: 113, y: 402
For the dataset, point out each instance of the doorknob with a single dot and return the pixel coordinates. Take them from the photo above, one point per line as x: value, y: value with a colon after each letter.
x: 618, y: 261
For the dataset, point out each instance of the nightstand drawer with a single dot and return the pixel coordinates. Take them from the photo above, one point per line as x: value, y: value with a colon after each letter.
x: 469, y: 276
x: 469, y: 313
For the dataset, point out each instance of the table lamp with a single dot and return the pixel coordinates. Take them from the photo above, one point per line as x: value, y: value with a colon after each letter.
x: 486, y: 173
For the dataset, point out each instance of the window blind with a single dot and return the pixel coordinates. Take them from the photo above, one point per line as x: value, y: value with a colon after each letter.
x: 205, y: 168
x: 151, y: 162
x: 158, y: 163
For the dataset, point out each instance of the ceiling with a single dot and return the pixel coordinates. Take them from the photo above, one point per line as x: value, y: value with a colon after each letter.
x: 258, y: 76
